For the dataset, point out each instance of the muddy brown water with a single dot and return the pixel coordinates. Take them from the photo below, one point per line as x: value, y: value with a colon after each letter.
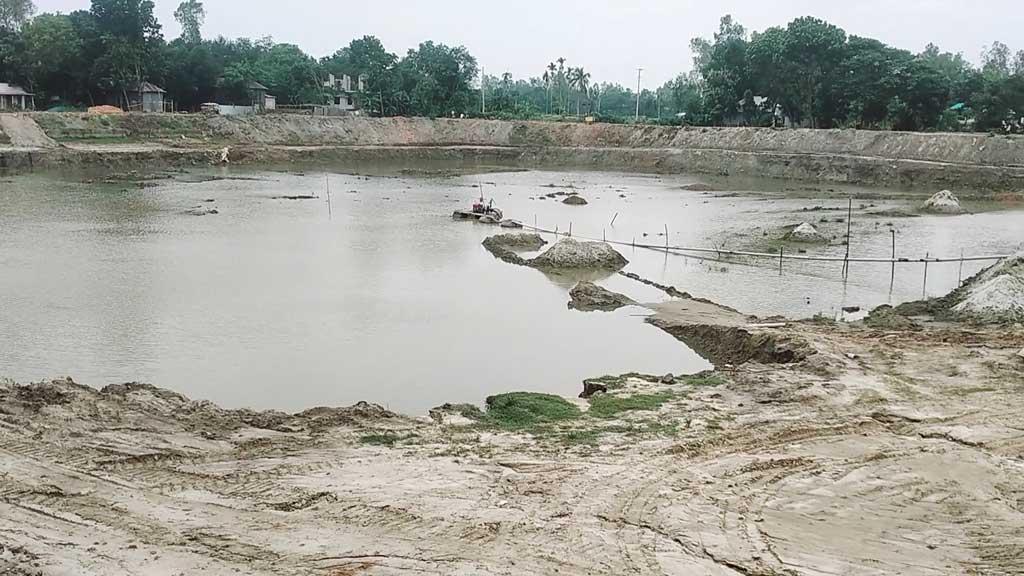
x: 288, y: 304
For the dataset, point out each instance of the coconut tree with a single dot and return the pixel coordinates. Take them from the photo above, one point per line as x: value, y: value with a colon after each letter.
x: 582, y: 86
x: 563, y: 86
x: 549, y: 78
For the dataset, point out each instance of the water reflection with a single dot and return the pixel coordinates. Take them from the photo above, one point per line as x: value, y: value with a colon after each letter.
x: 272, y: 303
x: 277, y: 303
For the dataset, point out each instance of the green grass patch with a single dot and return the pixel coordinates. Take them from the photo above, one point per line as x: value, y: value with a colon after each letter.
x: 618, y: 382
x: 470, y: 411
x: 581, y: 437
x: 385, y: 438
x: 610, y: 406
x: 522, y: 410
x: 704, y: 379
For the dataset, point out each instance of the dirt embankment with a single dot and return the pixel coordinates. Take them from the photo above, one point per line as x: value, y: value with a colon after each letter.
x: 878, y: 451
x: 880, y: 158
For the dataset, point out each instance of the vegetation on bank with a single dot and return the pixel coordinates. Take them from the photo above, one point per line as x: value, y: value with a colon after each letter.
x: 549, y: 418
x: 807, y: 73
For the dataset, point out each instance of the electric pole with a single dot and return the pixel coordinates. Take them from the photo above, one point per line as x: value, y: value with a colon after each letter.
x: 638, y: 71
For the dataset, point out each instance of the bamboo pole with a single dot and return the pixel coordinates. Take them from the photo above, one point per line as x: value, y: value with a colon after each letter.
x: 330, y: 211
x: 849, y: 229
x: 892, y: 276
x: 960, y: 275
x: 924, y: 287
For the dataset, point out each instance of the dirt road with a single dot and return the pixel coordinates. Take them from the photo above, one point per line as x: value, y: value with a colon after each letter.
x: 883, y: 452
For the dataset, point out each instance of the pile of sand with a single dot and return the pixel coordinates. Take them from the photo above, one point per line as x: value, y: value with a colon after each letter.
x: 106, y: 110
x: 943, y: 203
x: 516, y: 241
x: 806, y: 232
x: 996, y: 294
x: 569, y: 253
x: 589, y: 297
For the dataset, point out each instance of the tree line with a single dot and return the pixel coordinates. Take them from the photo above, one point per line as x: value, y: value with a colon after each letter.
x: 809, y: 73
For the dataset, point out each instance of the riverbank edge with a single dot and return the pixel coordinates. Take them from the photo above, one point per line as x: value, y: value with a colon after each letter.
x: 887, y: 159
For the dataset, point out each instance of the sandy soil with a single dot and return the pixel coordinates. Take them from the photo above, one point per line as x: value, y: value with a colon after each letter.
x: 23, y: 132
x: 881, y: 452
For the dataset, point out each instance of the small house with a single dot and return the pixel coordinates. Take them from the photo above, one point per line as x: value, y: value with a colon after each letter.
x: 258, y: 96
x: 15, y: 98
x: 147, y: 98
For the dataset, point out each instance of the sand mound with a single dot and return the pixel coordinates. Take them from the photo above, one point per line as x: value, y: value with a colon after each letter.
x: 943, y: 203
x: 587, y: 296
x: 574, y: 200
x: 569, y: 253
x: 805, y: 233
x: 106, y: 110
x: 505, y: 246
x: 996, y: 294
x: 516, y: 241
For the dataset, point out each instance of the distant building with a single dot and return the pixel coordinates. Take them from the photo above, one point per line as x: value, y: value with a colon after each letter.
x: 147, y: 97
x: 258, y: 94
x: 15, y: 98
x: 343, y: 94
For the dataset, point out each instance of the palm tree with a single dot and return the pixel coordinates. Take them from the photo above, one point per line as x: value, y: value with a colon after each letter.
x: 549, y: 78
x: 563, y: 86
x: 582, y: 85
x: 573, y: 76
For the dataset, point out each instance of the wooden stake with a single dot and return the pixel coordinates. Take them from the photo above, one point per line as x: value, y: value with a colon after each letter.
x: 330, y: 211
x: 666, y: 238
x: 960, y: 276
x: 892, y: 277
x: 924, y: 287
x: 613, y: 219
x: 780, y: 260
x: 849, y: 229
x: 570, y: 229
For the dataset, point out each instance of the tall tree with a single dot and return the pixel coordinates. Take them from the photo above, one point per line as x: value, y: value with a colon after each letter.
x: 130, y: 37
x: 15, y: 13
x: 191, y: 15
x: 815, y: 47
x: 366, y: 57
x: 723, y: 68
x: 436, y: 79
x: 996, y: 60
x: 53, y: 54
x: 550, y: 80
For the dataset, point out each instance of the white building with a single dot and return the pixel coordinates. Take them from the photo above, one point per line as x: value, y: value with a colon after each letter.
x: 344, y: 95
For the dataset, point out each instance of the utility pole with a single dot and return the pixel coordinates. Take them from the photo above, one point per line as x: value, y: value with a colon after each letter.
x: 638, y: 72
x: 483, y: 91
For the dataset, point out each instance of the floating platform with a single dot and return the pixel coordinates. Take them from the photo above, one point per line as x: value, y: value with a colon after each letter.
x: 470, y: 215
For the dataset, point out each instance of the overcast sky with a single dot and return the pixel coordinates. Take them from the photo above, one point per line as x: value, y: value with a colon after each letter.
x: 610, y: 38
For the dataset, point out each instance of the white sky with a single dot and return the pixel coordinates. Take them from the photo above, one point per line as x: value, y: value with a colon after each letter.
x: 608, y: 38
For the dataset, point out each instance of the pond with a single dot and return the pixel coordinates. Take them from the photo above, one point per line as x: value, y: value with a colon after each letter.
x: 379, y: 295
